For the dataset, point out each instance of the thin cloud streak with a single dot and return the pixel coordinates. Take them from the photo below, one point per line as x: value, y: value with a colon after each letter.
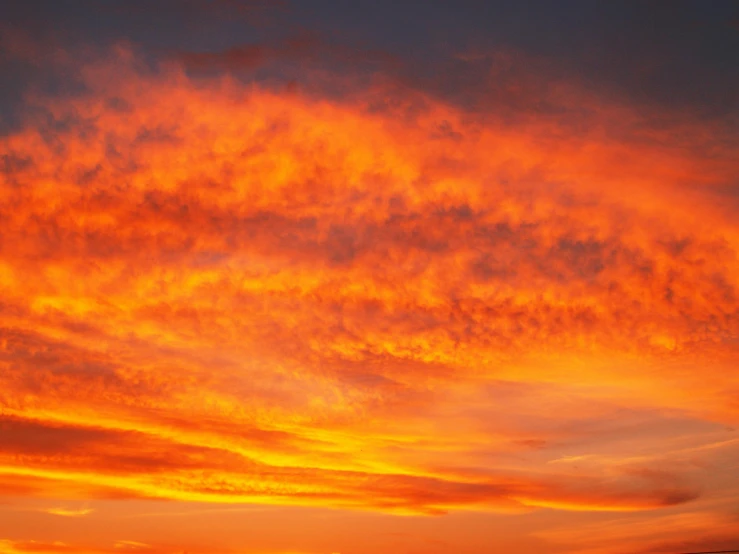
x: 69, y: 512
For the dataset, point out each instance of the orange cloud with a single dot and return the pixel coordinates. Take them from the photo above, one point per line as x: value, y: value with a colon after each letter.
x: 69, y: 512
x: 40, y: 547
x: 221, y: 293
x: 654, y: 535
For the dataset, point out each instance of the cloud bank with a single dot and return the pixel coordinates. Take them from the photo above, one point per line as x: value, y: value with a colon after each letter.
x: 224, y: 292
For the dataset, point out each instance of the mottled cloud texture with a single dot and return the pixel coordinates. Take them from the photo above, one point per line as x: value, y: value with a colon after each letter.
x: 220, y: 290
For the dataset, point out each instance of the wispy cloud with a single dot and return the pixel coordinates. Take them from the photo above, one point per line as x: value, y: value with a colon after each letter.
x: 131, y: 545
x: 224, y: 293
x: 69, y: 512
x: 317, y: 308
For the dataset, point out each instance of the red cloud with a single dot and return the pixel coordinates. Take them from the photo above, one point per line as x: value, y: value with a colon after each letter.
x: 218, y: 293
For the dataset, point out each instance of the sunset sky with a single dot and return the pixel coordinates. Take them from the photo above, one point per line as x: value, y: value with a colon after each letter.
x: 368, y: 277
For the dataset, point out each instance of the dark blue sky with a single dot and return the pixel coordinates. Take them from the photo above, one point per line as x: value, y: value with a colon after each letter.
x: 679, y: 54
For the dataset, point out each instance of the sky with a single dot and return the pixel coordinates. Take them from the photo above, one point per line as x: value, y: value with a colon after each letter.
x: 325, y: 277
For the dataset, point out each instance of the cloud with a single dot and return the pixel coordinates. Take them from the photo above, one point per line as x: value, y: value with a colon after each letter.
x: 220, y: 293
x: 683, y: 532
x: 69, y: 512
x: 131, y: 545
x: 49, y: 547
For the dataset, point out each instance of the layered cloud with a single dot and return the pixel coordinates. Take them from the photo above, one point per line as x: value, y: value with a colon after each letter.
x: 228, y: 292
